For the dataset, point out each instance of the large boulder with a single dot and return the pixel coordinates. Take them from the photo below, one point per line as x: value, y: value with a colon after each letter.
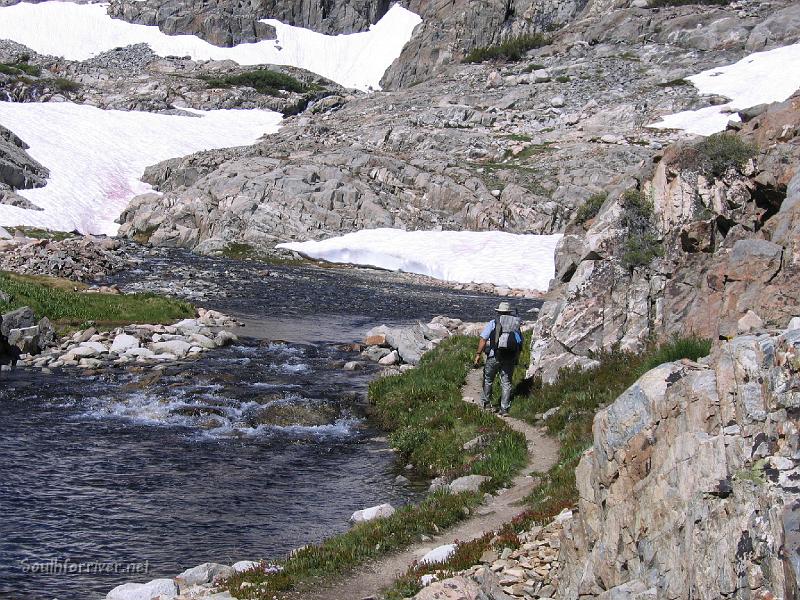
x: 690, y: 485
x: 157, y: 588
x: 374, y: 512
x: 205, y: 573
x: 17, y: 319
x: 124, y: 342
x: 468, y: 483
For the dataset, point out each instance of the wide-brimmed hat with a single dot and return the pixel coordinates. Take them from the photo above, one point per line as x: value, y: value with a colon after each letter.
x: 504, y: 307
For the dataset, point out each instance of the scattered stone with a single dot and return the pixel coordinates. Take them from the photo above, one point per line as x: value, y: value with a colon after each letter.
x: 144, y: 591
x: 375, y: 512
x: 468, y: 483
x: 205, y: 573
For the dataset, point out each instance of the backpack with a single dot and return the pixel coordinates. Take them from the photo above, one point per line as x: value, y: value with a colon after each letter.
x: 505, y: 340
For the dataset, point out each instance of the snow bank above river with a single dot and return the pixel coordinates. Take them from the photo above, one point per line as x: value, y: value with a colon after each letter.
x: 96, y: 157
x: 503, y: 259
x: 80, y: 31
x: 761, y: 78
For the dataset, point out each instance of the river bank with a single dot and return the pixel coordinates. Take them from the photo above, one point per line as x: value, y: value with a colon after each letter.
x: 186, y: 453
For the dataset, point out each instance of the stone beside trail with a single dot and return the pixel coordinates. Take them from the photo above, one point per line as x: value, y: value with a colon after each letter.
x: 367, y: 581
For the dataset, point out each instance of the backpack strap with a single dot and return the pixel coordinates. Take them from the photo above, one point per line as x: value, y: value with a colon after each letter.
x: 498, y: 329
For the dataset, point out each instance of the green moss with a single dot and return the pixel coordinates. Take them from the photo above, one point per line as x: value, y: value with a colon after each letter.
x: 562, y: 78
x: 513, y: 49
x: 63, y: 302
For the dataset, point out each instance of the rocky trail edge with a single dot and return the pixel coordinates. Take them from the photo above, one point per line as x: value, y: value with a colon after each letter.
x: 368, y: 580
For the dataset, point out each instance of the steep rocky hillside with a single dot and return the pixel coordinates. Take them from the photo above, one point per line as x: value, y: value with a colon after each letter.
x: 517, y: 147
x: 715, y: 252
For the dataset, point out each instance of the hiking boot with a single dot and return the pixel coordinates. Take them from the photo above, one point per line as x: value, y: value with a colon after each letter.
x: 503, y: 412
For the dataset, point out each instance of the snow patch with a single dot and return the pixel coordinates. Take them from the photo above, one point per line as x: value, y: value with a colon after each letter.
x: 499, y: 258
x: 760, y: 78
x: 96, y: 156
x: 80, y: 31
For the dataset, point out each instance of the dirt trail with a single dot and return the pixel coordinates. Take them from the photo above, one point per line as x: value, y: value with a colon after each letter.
x: 366, y: 581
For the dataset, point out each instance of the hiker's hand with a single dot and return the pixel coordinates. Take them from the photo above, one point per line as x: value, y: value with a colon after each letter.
x: 477, y: 361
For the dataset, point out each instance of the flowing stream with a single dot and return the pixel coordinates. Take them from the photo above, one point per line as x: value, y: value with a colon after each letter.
x: 246, y: 453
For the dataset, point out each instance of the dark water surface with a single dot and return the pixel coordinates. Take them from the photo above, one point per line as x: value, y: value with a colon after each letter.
x: 244, y: 454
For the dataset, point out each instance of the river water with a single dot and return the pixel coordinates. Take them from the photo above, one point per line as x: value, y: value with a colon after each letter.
x: 246, y: 453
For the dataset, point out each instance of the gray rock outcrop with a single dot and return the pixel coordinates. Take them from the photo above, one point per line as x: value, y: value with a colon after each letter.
x: 226, y: 23
x: 690, y: 488
x: 724, y: 246
x: 18, y: 171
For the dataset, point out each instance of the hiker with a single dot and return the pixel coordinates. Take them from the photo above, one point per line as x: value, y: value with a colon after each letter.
x: 501, y: 339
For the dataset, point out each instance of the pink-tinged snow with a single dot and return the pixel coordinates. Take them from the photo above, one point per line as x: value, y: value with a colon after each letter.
x: 761, y: 78
x: 80, y: 31
x: 503, y: 259
x: 96, y: 157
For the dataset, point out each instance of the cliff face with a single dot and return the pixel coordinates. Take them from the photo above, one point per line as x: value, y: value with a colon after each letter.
x: 725, y: 258
x: 226, y: 23
x: 691, y: 487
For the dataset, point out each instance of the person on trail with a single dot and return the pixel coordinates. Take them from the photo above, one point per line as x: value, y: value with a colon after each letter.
x: 501, y: 340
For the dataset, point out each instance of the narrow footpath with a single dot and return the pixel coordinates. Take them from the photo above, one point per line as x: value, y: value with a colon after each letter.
x: 367, y: 581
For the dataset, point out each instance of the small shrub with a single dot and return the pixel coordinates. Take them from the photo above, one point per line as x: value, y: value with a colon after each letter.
x: 65, y: 85
x: 589, y: 209
x: 722, y: 151
x: 19, y: 68
x: 264, y: 81
x: 32, y: 70
x: 511, y: 50
x: 641, y: 244
x: 562, y: 78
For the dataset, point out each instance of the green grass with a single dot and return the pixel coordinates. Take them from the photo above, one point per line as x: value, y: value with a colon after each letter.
x: 429, y: 423
x: 58, y: 300
x: 264, y: 81
x: 589, y: 209
x: 578, y: 395
x: 513, y: 49
x: 43, y: 234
